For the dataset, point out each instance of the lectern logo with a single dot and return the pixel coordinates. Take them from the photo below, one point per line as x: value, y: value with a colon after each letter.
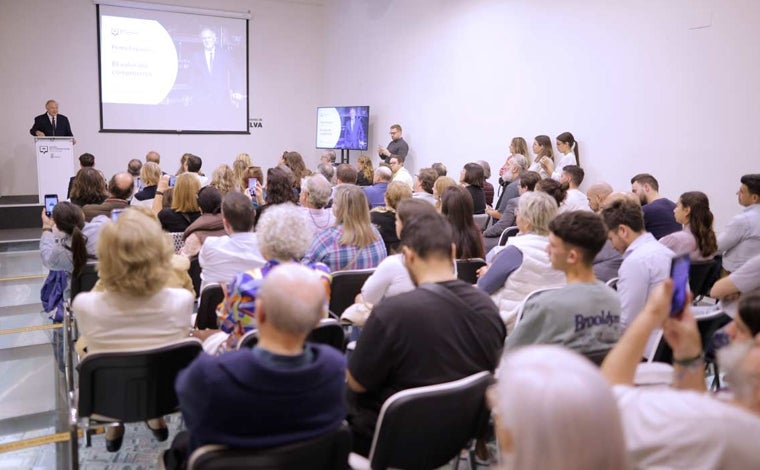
x: 43, y: 149
x: 114, y: 31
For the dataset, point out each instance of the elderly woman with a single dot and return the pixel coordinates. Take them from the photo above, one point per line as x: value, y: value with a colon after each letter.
x: 384, y: 217
x: 283, y: 237
x: 353, y: 243
x: 150, y: 173
x: 184, y: 208
x: 523, y: 265
x: 315, y: 196
x: 134, y: 311
x: 550, y: 384
x: 209, y: 224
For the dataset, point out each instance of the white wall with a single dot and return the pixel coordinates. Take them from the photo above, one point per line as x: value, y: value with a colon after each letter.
x: 49, y: 50
x: 638, y: 88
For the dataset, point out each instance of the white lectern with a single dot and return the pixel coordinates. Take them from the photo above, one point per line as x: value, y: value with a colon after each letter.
x: 55, y: 164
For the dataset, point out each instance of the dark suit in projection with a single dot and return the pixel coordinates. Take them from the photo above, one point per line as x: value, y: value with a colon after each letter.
x: 353, y: 134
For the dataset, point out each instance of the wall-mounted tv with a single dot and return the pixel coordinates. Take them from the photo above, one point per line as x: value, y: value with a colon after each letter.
x: 342, y: 127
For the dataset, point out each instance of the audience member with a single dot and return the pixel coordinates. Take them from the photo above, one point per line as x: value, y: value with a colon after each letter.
x: 120, y: 189
x: 607, y: 262
x: 239, y: 168
x: 67, y: 241
x: 294, y: 161
x: 366, y: 174
x: 697, y: 237
x: 396, y: 148
x: 492, y: 234
x: 223, y: 179
x: 439, y: 187
x: 746, y: 324
x: 384, y: 218
x: 439, y: 168
x: 283, y: 391
x: 509, y: 176
x: 182, y: 164
x: 345, y: 174
x: 472, y: 179
x: 244, y: 157
x: 376, y: 193
x: 150, y: 173
x: 543, y: 164
x: 523, y: 265
x: 517, y: 146
x: 193, y: 165
x: 668, y: 428
x: 596, y: 195
x: 221, y: 258
x: 279, y: 190
x: 353, y: 243
x: 408, y: 342
x: 184, y: 209
x: 741, y: 281
x: 423, y: 185
x: 740, y: 241
x: 456, y: 205
x: 86, y: 160
x: 488, y: 189
x: 658, y: 211
x: 88, y: 187
x: 329, y: 157
x: 209, y: 224
x: 315, y: 197
x: 153, y: 156
x: 399, y: 172
x: 575, y: 200
x: 326, y: 170
x: 584, y: 315
x: 135, y: 310
x: 549, y: 384
x: 568, y: 148
x: 554, y: 189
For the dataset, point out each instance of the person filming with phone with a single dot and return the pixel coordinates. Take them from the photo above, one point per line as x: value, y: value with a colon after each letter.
x: 67, y: 241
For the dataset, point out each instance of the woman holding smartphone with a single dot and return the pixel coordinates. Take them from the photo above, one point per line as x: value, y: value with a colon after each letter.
x: 67, y: 241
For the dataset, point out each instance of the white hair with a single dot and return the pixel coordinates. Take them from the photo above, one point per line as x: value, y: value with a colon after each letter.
x: 318, y: 189
x: 560, y: 411
x: 283, y: 232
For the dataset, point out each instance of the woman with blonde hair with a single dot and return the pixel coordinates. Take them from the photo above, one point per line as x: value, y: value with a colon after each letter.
x: 241, y: 181
x: 223, y: 179
x: 150, y: 173
x: 439, y: 187
x: 550, y: 384
x: 366, y: 173
x: 384, y: 217
x: 244, y: 157
x: 184, y: 209
x: 135, y: 310
x: 353, y: 243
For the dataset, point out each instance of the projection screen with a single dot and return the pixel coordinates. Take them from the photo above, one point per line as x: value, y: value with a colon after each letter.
x: 168, y: 69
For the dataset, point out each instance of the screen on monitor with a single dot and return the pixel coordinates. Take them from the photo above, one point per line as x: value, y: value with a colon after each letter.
x: 342, y: 127
x: 172, y: 71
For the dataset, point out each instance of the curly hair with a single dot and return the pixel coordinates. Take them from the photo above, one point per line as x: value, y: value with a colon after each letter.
x: 365, y: 167
x: 223, y: 179
x: 282, y: 233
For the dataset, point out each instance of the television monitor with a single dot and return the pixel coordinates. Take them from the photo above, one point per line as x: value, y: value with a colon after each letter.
x: 342, y: 127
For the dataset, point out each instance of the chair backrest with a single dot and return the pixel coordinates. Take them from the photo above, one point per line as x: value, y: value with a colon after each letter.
x: 467, y: 269
x: 707, y: 325
x: 613, y: 282
x: 506, y: 233
x: 326, y: 452
x: 178, y: 240
x: 480, y: 220
x: 329, y: 332
x: 702, y: 276
x: 249, y: 339
x: 426, y: 427
x: 86, y: 280
x: 134, y: 385
x: 344, y: 287
x: 211, y: 296
x: 194, y: 271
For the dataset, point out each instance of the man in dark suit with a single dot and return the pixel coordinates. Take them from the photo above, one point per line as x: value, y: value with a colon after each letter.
x: 353, y: 134
x: 51, y: 123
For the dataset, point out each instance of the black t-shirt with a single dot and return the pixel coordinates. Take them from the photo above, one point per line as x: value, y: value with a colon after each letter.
x: 386, y: 224
x: 172, y: 221
x: 478, y: 199
x: 421, y: 338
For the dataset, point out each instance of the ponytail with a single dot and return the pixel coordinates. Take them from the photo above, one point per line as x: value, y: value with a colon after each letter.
x: 78, y: 250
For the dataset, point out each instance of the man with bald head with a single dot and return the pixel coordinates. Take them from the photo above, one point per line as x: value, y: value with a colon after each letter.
x: 153, y: 156
x: 376, y: 193
x: 596, y: 195
x: 120, y: 189
x: 282, y: 391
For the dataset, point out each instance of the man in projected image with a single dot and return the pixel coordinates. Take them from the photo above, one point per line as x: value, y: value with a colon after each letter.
x: 213, y: 75
x: 397, y: 146
x: 353, y: 133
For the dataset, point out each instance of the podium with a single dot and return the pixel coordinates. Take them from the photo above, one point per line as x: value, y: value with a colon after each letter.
x: 55, y: 164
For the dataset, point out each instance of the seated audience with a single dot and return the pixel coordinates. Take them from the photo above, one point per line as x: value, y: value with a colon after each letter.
x: 279, y: 190
x: 153, y: 156
x: 488, y: 189
x: 669, y: 428
x: 439, y: 168
x: 134, y: 311
x: 133, y: 168
x: 283, y: 391
x: 345, y: 174
x: 327, y: 170
x: 184, y: 208
x: 746, y: 324
x: 86, y: 160
x: 88, y: 187
x: 353, y: 243
x: 67, y: 241
x: 399, y: 172
x: 239, y: 168
x: 440, y: 186
x: 408, y: 342
x: 596, y: 195
x: 384, y: 218
x: 221, y: 258
x: 575, y: 201
x: 423, y: 186
x: 523, y: 265
x: 492, y: 234
x: 366, y: 174
x: 659, y: 219
x: 608, y: 260
x: 150, y: 173
x: 554, y: 189
x: 223, y: 179
x: 315, y: 197
x: 120, y: 189
x: 697, y: 237
x: 509, y: 179
x: 740, y: 241
x: 549, y: 384
x: 456, y: 206
x: 584, y: 315
x: 209, y: 224
x: 294, y: 162
x: 193, y: 165
x: 329, y: 157
x: 646, y: 262
x: 472, y: 180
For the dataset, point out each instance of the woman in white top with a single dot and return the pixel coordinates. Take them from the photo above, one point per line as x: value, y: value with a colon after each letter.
x: 544, y: 161
x: 697, y: 237
x: 568, y: 147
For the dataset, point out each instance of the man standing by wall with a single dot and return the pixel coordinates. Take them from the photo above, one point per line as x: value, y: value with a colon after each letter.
x: 397, y: 147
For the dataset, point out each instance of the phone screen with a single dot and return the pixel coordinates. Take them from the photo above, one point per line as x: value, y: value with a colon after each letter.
x: 116, y: 213
x: 679, y: 272
x: 252, y: 184
x: 50, y: 201
x: 172, y: 180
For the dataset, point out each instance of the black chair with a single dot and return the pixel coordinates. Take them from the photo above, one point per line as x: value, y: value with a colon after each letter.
x: 426, y: 427
x: 86, y: 280
x: 132, y: 386
x: 326, y: 452
x: 597, y: 357
x: 707, y: 324
x: 249, y: 339
x: 344, y: 287
x: 613, y: 283
x: 480, y: 220
x: 194, y: 271
x: 211, y: 296
x: 506, y: 233
x: 329, y: 332
x: 467, y: 269
x: 702, y: 276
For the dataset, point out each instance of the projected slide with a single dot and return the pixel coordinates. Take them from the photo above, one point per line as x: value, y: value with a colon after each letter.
x: 163, y: 71
x: 342, y: 127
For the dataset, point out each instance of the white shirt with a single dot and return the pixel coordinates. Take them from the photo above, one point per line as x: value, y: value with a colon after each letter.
x: 568, y: 159
x: 221, y: 258
x: 667, y: 428
x: 425, y: 196
x: 390, y: 278
x: 404, y: 176
x: 741, y: 238
x: 319, y: 219
x: 575, y: 201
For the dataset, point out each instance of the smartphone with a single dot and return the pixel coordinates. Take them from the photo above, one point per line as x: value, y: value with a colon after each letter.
x: 172, y: 180
x: 252, y: 184
x: 679, y: 272
x: 116, y: 213
x: 50, y: 201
